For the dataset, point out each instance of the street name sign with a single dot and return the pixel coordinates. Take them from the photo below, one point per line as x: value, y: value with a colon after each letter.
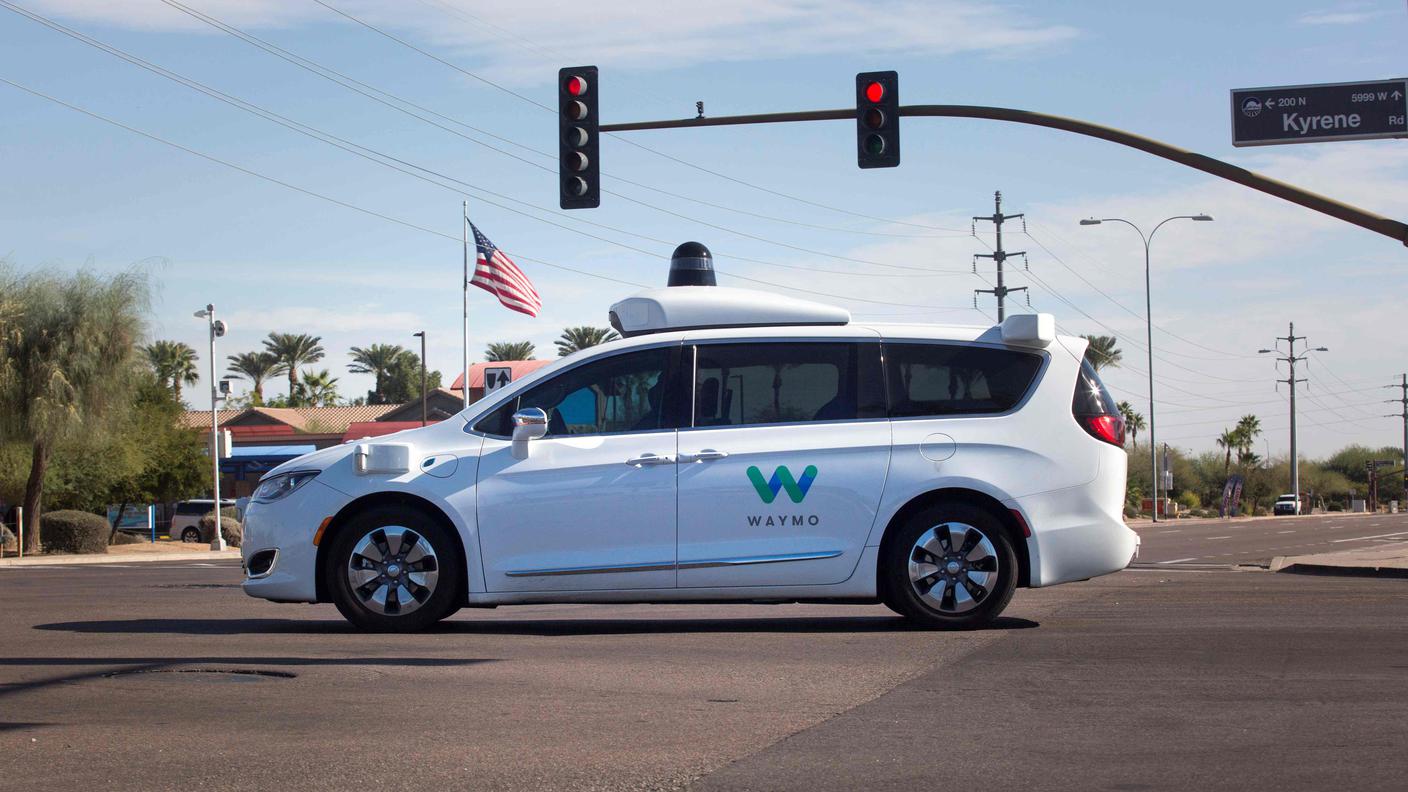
x: 1312, y: 113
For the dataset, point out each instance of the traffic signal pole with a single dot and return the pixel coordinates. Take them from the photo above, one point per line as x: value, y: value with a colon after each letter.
x: 1393, y: 229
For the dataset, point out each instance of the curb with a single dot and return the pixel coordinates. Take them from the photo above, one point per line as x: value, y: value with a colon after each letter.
x: 79, y: 560
x: 1279, y: 564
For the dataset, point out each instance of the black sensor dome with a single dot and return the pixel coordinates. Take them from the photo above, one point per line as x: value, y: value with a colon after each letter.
x: 692, y: 265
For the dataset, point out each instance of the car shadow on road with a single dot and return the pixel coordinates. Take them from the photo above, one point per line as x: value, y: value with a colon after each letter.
x: 536, y: 627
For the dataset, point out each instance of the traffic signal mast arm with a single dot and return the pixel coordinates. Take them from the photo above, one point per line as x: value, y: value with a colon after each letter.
x: 1320, y: 203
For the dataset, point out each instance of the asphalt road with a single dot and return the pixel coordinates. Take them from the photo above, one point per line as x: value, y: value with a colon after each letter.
x: 165, y: 676
x: 1257, y: 541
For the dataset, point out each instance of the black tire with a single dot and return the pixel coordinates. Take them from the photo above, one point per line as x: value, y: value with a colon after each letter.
x: 190, y: 535
x: 940, y: 605
x: 370, y: 606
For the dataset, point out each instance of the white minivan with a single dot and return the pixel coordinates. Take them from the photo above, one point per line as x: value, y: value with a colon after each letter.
x: 733, y: 446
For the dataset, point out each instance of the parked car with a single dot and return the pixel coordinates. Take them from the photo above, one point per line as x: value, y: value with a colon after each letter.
x: 734, y: 445
x: 1286, y: 504
x: 185, y: 518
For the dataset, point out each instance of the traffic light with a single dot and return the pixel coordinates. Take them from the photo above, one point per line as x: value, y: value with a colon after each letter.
x: 878, y: 119
x: 579, y: 172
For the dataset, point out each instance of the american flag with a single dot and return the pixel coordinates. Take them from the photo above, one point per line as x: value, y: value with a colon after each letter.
x: 495, y: 273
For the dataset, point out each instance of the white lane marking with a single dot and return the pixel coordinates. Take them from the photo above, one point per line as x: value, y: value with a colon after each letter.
x: 212, y: 522
x: 1210, y: 538
x: 1179, y: 560
x: 1279, y: 532
x: 1362, y: 538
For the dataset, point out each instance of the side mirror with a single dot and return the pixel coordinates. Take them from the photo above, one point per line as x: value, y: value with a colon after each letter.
x: 529, y: 423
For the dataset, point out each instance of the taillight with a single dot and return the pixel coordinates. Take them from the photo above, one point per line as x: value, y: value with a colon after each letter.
x: 1109, y: 428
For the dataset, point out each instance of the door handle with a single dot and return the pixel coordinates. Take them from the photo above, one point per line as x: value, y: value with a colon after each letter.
x: 704, y: 455
x: 649, y: 459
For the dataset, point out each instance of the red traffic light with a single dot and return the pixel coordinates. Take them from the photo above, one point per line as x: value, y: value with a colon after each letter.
x: 875, y: 92
x: 575, y: 86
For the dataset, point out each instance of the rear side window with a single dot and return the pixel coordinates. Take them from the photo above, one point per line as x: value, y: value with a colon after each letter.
x: 186, y: 507
x: 766, y: 383
x: 949, y: 379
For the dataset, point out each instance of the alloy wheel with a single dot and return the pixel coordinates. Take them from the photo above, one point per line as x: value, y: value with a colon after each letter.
x: 393, y: 570
x: 953, y: 567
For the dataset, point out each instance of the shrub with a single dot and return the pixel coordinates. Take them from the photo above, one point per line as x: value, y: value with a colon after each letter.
x: 7, y: 537
x: 128, y: 538
x: 1189, y: 500
x: 229, y: 528
x: 74, y: 532
x: 1335, y: 506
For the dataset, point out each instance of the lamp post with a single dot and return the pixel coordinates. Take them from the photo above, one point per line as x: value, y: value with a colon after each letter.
x: 1149, y: 332
x: 423, y: 414
x: 217, y: 328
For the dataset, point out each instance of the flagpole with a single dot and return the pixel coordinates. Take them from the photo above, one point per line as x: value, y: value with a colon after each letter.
x: 464, y: 284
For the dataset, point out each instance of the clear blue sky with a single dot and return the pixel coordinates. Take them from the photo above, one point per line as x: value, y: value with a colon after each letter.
x: 80, y: 192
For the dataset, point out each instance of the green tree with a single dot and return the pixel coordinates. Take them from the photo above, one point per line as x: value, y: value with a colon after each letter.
x: 292, y: 350
x: 583, y: 337
x: 1248, y: 427
x: 256, y: 367
x: 318, y: 389
x: 169, y: 462
x: 378, y: 360
x: 1229, y: 440
x: 509, y: 350
x: 174, y: 363
x: 1133, y: 421
x: 403, y: 379
x: 73, y: 361
x: 1103, y: 351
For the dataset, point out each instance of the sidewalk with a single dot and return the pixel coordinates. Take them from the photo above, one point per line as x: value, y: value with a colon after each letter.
x: 126, y: 554
x: 1138, y: 522
x: 1385, y: 560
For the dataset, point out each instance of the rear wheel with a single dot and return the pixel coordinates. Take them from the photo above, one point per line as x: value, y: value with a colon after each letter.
x: 951, y: 566
x: 190, y: 534
x: 393, y: 570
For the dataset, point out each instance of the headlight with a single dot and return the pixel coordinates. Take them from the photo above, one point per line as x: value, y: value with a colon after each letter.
x: 276, y: 487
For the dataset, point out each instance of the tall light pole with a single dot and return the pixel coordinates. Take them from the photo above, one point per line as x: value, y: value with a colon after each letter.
x: 423, y: 415
x: 1149, y: 332
x: 217, y: 328
x: 1292, y: 359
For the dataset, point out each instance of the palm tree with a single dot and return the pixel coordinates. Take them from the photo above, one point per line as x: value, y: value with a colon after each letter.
x: 174, y: 363
x: 1102, y: 351
x: 292, y: 350
x: 1133, y: 421
x: 509, y: 350
x: 318, y: 389
x: 1229, y: 440
x: 378, y: 360
x: 256, y: 367
x: 575, y: 338
x: 1248, y: 426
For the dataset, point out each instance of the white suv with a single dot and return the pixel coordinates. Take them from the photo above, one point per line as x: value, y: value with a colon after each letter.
x: 734, y: 445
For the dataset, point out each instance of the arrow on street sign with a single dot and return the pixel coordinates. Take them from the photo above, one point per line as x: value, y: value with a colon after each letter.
x: 1311, y: 113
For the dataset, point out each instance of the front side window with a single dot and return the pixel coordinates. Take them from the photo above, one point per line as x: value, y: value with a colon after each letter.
x: 622, y: 393
x: 764, y: 383
x: 950, y: 379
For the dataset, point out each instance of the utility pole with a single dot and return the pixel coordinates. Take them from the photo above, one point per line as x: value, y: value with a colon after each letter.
x: 998, y: 255
x: 1291, y: 359
x: 423, y: 393
x: 1403, y: 385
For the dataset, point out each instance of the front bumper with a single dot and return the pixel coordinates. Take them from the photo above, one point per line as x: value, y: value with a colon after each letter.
x: 287, y: 526
x: 1074, y: 536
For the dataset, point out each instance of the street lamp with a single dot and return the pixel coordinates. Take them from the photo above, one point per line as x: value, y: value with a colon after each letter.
x: 421, y: 336
x: 1149, y: 329
x: 217, y: 329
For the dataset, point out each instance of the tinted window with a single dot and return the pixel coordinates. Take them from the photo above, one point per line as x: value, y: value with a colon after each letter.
x: 1091, y: 396
x: 762, y: 383
x: 623, y: 393
x: 942, y: 379
x: 186, y: 507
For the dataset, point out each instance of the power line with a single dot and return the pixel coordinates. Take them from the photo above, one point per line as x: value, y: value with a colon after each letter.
x: 424, y: 229
x: 628, y: 142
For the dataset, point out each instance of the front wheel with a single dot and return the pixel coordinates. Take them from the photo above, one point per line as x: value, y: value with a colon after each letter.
x: 951, y: 566
x: 393, y: 571
x: 190, y: 535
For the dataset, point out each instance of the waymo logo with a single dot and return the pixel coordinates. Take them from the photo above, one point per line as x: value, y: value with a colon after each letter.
x: 782, y: 479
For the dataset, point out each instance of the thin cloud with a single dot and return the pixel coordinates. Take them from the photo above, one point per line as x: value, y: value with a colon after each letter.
x: 515, y: 40
x: 1352, y: 14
